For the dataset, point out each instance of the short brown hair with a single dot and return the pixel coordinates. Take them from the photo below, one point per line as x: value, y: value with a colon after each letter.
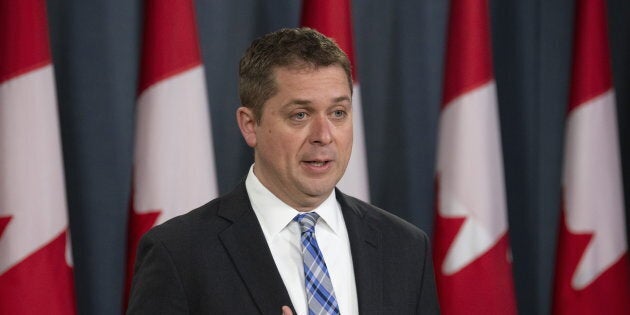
x: 284, y: 48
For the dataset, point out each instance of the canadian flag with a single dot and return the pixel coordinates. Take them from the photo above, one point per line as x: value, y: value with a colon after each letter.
x: 472, y: 252
x: 35, y: 253
x: 592, y: 268
x: 174, y: 168
x: 333, y: 18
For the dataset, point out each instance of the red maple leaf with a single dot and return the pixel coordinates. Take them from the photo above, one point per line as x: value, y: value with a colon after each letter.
x: 4, y: 221
x: 42, y: 283
x: 607, y: 294
x: 484, y: 286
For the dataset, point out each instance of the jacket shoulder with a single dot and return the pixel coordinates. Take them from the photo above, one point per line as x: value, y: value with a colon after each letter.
x: 210, y: 218
x: 383, y: 220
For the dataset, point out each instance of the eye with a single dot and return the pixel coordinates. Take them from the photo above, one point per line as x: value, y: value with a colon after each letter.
x: 299, y: 116
x: 339, y: 113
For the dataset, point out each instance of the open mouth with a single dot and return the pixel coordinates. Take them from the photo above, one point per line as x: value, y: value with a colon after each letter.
x: 317, y: 163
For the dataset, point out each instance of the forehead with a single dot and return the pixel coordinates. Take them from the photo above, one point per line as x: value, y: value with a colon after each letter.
x: 307, y: 75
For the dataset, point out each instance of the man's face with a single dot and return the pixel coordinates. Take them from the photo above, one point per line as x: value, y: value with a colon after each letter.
x: 304, y: 139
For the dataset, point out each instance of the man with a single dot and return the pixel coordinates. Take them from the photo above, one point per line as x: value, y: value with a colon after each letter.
x: 285, y: 240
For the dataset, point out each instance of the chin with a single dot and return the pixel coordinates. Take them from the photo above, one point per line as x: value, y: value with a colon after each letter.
x: 319, y: 189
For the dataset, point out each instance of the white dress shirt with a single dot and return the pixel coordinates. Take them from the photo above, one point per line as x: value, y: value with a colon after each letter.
x: 283, y: 237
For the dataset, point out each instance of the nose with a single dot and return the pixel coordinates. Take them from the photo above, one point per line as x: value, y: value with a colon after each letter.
x: 320, y: 131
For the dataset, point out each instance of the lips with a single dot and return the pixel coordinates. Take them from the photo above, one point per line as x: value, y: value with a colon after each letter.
x: 317, y: 166
x: 317, y: 163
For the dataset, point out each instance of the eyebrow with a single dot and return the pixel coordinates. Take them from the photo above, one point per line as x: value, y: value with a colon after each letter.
x: 302, y: 102
x: 341, y: 99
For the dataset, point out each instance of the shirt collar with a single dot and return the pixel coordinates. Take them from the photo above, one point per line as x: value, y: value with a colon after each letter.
x: 274, y: 215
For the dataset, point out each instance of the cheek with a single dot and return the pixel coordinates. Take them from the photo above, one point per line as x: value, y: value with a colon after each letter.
x: 346, y: 137
x: 280, y: 144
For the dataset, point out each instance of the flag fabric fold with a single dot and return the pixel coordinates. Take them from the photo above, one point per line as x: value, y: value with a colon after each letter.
x: 592, y: 266
x: 36, y: 270
x: 174, y: 169
x: 471, y: 245
x: 333, y: 18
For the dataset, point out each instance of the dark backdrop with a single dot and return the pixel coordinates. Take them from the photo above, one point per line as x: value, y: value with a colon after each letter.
x: 399, y: 45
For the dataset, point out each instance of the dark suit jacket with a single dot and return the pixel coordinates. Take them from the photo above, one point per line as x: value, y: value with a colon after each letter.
x: 215, y: 260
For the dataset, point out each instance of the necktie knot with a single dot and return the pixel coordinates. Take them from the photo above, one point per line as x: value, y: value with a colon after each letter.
x: 307, y: 221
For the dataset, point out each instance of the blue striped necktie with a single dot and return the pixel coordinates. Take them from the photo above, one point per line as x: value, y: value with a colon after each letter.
x: 319, y: 290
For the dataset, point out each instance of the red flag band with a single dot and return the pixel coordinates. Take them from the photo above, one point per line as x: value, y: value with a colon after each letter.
x: 35, y: 254
x: 174, y: 169
x: 471, y: 252
x: 592, y: 267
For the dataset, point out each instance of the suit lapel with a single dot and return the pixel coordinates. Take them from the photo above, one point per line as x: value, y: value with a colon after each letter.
x: 366, y: 255
x: 245, y: 243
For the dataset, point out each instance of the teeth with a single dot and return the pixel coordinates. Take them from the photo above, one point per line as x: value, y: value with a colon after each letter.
x: 317, y: 163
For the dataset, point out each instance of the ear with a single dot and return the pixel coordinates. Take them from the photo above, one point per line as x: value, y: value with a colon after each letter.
x: 247, y: 124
